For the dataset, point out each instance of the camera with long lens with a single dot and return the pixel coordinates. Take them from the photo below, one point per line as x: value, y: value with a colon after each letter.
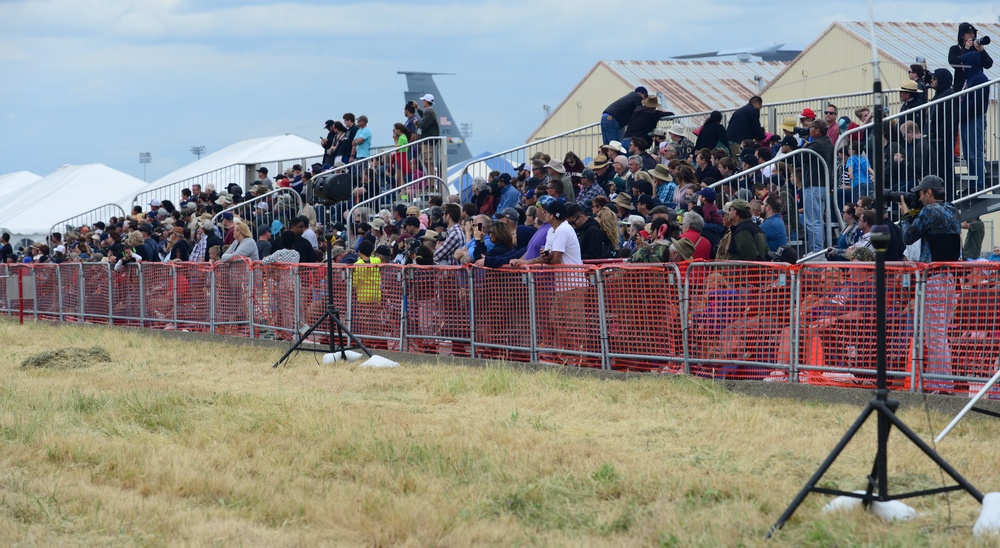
x: 893, y: 197
x: 801, y: 131
x: 983, y: 41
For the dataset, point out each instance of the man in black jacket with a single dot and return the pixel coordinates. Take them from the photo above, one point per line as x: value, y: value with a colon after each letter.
x: 594, y: 244
x: 617, y: 115
x: 298, y: 226
x: 429, y: 126
x: 745, y: 124
x: 942, y: 126
x: 966, y: 32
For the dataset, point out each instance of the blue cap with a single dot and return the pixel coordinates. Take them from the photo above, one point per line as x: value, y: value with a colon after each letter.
x: 228, y: 215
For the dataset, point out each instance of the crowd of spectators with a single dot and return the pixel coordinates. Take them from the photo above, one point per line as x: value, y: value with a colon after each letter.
x: 650, y: 194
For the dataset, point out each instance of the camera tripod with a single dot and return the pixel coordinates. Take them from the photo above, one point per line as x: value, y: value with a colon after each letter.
x: 336, y: 327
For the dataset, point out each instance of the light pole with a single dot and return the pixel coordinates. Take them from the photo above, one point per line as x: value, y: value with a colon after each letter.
x: 145, y: 158
x: 198, y: 150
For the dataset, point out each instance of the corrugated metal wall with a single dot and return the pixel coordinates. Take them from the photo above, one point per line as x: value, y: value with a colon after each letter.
x: 584, y: 104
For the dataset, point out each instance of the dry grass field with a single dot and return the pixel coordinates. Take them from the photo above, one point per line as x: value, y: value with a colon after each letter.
x: 202, y: 443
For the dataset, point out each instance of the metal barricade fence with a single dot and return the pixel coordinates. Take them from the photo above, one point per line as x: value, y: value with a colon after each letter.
x: 565, y: 315
x: 275, y: 300
x: 500, y: 301
x: 88, y: 218
x: 436, y: 310
x: 243, y: 175
x: 96, y: 282
x: 376, y: 305
x: 809, y: 323
x: 960, y: 329
x: 836, y: 342
x: 949, y: 137
x: 282, y: 204
x: 585, y: 142
x: 642, y: 317
x: 737, y: 316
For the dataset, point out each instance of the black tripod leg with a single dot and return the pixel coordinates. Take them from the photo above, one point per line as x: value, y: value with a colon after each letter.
x: 340, y: 326
x: 877, y: 480
x: 934, y: 456
x: 822, y: 469
x: 299, y: 342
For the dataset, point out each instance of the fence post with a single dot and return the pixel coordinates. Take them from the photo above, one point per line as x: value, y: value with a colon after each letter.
x: 211, y: 300
x: 81, y: 286
x: 142, y: 297
x: 173, y: 283
x: 298, y: 299
x: 529, y: 278
x: 250, y: 306
x: 793, y: 329
x: 111, y: 296
x: 401, y: 277
x: 917, y: 377
x: 348, y: 275
x: 472, y: 312
x: 684, y: 292
x: 602, y: 320
x: 59, y: 291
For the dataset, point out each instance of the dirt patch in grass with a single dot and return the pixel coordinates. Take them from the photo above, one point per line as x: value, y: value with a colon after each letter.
x: 67, y: 358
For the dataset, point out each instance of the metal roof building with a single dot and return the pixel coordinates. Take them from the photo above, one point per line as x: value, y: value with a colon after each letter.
x: 839, y: 61
x: 683, y: 87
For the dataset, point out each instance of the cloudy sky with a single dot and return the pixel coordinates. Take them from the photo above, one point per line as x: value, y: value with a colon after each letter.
x: 85, y: 81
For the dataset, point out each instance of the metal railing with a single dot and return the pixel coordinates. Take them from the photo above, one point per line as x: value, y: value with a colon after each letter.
x: 88, y: 218
x: 737, y: 320
x: 941, y: 130
x: 585, y: 142
x: 815, y: 169
x: 283, y: 204
x: 244, y: 175
x: 380, y: 199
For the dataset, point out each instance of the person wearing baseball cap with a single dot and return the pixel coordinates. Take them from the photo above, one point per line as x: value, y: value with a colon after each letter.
x: 747, y: 240
x: 589, y: 189
x: 561, y: 243
x: 429, y: 126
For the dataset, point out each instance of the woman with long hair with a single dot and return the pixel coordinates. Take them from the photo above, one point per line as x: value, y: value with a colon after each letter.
x: 401, y: 163
x: 712, y: 133
x: 609, y: 226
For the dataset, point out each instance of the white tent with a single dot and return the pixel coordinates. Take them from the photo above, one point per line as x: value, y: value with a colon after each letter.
x: 230, y: 165
x: 11, y: 183
x: 64, y: 193
x: 262, y: 150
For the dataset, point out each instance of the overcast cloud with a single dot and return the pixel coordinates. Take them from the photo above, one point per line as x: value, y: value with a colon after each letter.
x: 85, y: 81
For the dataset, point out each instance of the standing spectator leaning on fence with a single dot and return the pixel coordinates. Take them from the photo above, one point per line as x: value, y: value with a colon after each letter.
x: 744, y: 123
x: 937, y: 227
x: 814, y: 192
x: 617, y: 115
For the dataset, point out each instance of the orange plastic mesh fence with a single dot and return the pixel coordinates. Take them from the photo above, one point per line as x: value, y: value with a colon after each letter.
x: 274, y: 299
x: 738, y: 313
x: 126, y: 296
x: 567, y: 318
x: 312, y: 295
x: 46, y: 291
x: 837, y: 343
x: 70, y: 286
x: 961, y: 328
x: 376, y: 304
x: 158, y: 294
x: 96, y: 292
x: 194, y: 296
x: 501, y: 313
x: 642, y: 306
x: 437, y: 310
x: 232, y: 297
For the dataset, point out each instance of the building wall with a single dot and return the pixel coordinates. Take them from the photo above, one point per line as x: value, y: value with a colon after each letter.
x: 837, y: 63
x: 584, y: 104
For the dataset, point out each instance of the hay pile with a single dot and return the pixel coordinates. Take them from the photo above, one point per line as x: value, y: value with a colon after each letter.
x: 67, y: 358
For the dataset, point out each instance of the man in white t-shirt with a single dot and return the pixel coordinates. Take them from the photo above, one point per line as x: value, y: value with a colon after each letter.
x: 561, y: 243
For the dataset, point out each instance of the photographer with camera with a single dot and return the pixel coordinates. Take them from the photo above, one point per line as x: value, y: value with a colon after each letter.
x: 968, y: 40
x: 940, y: 234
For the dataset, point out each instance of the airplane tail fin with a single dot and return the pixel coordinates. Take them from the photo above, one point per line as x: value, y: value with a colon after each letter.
x: 419, y: 83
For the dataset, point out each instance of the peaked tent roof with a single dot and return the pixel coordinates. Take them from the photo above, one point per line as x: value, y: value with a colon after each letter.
x: 249, y: 152
x: 64, y: 193
x: 903, y: 42
x: 13, y: 182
